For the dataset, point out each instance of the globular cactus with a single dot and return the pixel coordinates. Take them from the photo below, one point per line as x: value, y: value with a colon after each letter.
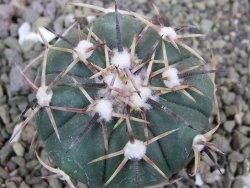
x: 124, y: 102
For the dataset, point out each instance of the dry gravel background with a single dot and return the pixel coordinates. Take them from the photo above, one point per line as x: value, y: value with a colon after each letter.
x: 227, y: 26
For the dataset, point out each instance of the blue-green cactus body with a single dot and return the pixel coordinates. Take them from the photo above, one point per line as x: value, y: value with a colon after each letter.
x: 170, y: 154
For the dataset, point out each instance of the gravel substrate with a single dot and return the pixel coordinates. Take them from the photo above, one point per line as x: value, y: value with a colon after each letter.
x: 226, y: 24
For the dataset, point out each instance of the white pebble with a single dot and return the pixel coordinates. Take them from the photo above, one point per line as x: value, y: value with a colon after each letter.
x: 172, y: 78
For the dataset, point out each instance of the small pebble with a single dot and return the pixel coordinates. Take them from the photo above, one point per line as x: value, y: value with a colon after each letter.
x: 18, y: 149
x: 4, y: 113
x: 229, y: 126
x: 235, y: 157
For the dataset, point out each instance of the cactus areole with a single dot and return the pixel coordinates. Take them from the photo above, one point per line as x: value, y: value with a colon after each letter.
x: 138, y: 89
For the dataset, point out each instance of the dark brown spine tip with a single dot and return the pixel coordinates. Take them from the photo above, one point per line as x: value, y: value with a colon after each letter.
x: 151, y: 51
x: 209, y: 154
x: 84, y: 131
x: 118, y: 29
x: 197, y: 73
x: 61, y: 37
x: 170, y: 112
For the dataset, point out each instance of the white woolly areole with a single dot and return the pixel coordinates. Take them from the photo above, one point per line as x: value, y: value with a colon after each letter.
x: 196, y: 141
x: 121, y: 59
x: 138, y: 81
x: 168, y: 32
x: 43, y: 98
x: 104, y: 109
x: 82, y: 48
x: 135, y: 151
x: 172, y: 75
x: 145, y: 93
x: 117, y: 83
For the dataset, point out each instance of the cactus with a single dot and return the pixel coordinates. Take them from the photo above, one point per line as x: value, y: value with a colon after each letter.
x: 124, y: 102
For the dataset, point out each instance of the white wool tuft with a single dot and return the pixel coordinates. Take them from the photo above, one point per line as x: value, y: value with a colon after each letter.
x: 43, y: 99
x: 117, y: 83
x: 173, y: 79
x: 196, y: 141
x: 108, y: 79
x: 168, y: 32
x: 104, y: 108
x: 135, y: 151
x: 121, y: 59
x: 82, y: 49
x: 138, y: 81
x: 145, y: 93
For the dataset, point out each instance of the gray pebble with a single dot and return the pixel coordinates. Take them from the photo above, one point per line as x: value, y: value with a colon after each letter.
x: 3, y: 173
x: 16, y: 80
x: 20, y: 101
x: 18, y: 160
x: 36, y: 5
x: 206, y: 25
x: 229, y: 126
x: 4, y: 113
x: 232, y: 167
x: 27, y: 45
x: 31, y: 55
x: 228, y: 179
x: 28, y: 133
x: 24, y: 185
x: 228, y: 97
x: 31, y: 180
x: 4, y: 78
x: 30, y: 15
x: 222, y: 143
x: 50, y: 10
x: 236, y: 7
x: 12, y: 56
x: 239, y: 140
x: 2, y: 46
x: 18, y: 149
x: 200, y: 5
x: 32, y: 164
x: 231, y: 109
x: 235, y: 157
x: 218, y: 44
x: 42, y: 22
x: 13, y: 30
x: 211, y: 3
x: 242, y: 182
x: 81, y: 185
x: 55, y: 183
x: 40, y: 185
x: 246, y: 118
x: 10, y: 185
x: 58, y: 24
x: 23, y: 171
x: 11, y: 165
x: 12, y: 43
x: 4, y: 25
x: 238, y: 118
x: 211, y: 177
x: 244, y: 130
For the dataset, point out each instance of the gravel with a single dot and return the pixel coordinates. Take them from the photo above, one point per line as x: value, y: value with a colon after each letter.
x: 226, y: 25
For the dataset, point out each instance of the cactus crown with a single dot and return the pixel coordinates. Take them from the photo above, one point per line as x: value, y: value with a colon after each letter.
x: 123, y: 94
